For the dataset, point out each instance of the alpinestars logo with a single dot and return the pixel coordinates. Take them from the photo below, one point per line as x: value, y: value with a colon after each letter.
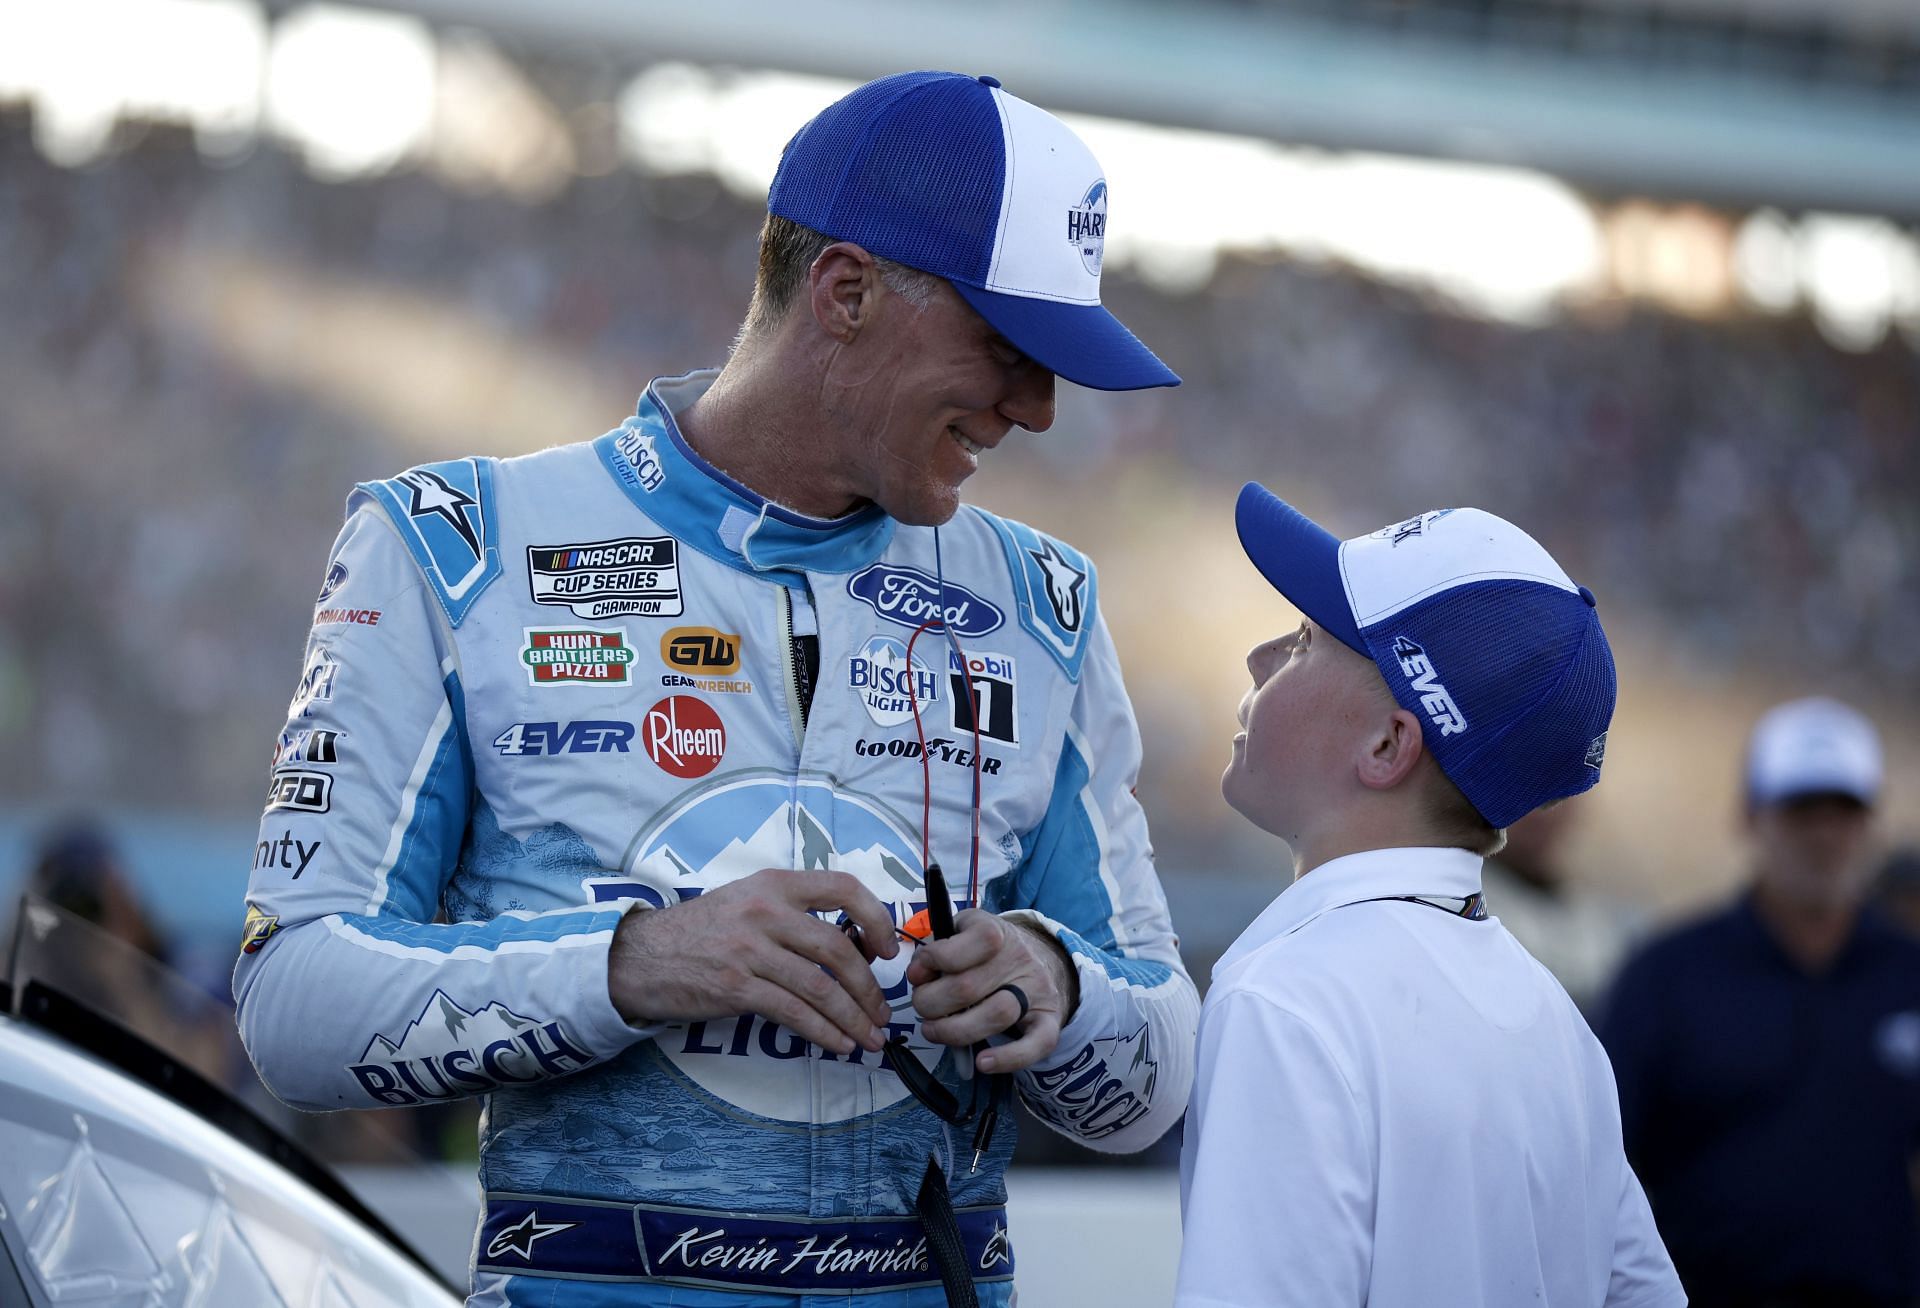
x: 1434, y: 697
x: 1066, y: 584
x: 997, y: 1250
x: 520, y: 1238
x: 436, y: 497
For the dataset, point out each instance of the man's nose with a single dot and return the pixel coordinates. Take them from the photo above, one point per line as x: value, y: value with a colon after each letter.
x: 1029, y: 402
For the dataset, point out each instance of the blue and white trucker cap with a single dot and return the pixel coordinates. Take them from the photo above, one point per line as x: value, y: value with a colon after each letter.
x: 951, y: 175
x: 1814, y: 746
x: 1478, y: 632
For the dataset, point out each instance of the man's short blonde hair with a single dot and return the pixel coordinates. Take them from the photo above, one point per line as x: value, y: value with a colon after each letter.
x: 787, y: 251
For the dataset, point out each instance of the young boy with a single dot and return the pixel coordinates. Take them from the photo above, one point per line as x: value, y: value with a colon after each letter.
x: 1395, y: 1105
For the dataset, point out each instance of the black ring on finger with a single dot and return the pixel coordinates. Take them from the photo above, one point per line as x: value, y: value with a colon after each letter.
x: 1020, y: 996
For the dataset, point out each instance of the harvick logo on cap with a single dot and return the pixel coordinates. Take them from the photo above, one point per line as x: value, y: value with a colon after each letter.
x: 1434, y: 697
x: 1087, y: 226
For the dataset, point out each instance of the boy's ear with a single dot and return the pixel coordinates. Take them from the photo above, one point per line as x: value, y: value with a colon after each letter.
x: 1392, y: 751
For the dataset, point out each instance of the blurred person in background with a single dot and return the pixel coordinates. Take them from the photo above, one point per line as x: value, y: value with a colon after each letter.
x: 1394, y: 1106
x: 1768, y: 1055
x: 1579, y: 934
x: 588, y: 742
x: 142, y: 987
x: 1896, y: 891
x: 79, y: 869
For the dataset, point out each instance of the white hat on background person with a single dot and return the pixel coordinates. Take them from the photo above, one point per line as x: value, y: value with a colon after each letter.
x: 1814, y: 746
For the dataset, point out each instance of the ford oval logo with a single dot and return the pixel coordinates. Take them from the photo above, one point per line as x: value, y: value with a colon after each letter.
x: 910, y: 597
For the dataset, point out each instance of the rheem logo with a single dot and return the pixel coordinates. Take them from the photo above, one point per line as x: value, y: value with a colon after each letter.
x: 684, y: 736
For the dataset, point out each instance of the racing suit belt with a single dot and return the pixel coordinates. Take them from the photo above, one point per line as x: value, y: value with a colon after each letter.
x: 549, y: 1235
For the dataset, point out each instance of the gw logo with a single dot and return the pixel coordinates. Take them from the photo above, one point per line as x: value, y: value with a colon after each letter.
x: 701, y: 649
x: 1434, y: 697
x: 572, y: 738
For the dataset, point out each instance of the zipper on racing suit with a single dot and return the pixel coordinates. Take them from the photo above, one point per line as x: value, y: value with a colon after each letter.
x: 800, y: 654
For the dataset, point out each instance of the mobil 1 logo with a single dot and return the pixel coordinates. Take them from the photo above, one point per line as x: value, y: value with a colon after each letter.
x: 637, y: 575
x: 991, y: 677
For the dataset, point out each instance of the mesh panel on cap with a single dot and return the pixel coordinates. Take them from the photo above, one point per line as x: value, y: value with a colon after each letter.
x: 910, y: 167
x: 1529, y: 669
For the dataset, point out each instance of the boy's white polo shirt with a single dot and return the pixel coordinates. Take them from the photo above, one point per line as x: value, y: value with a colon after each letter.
x: 1398, y: 1107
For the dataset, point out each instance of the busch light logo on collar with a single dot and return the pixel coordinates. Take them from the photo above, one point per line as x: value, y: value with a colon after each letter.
x: 642, y: 467
x: 1087, y: 226
x: 911, y: 597
x: 1434, y: 697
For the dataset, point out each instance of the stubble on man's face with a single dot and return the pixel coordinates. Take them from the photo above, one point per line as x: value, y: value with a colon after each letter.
x: 921, y: 396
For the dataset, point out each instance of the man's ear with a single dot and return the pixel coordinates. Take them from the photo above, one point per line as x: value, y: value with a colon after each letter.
x: 1393, y: 750
x: 843, y: 286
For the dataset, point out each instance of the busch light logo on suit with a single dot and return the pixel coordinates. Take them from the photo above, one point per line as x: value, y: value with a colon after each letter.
x: 767, y: 818
x: 888, y: 687
x: 1087, y: 226
x: 449, y: 1051
x: 911, y: 597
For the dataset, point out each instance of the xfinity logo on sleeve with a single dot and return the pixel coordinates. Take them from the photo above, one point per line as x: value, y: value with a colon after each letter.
x: 1434, y: 697
x: 911, y: 597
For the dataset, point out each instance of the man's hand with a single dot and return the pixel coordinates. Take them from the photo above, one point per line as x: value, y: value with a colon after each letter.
x: 752, y: 946
x: 956, y: 989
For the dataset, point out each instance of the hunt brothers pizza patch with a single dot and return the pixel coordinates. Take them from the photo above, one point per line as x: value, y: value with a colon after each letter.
x: 585, y: 656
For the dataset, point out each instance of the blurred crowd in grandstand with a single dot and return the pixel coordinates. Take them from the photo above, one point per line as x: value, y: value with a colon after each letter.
x: 1750, y: 491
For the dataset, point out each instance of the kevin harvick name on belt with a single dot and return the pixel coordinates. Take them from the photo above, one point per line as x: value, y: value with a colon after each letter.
x: 609, y: 578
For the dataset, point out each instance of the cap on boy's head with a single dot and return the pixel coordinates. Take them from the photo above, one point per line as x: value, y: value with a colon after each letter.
x: 921, y: 168
x: 1812, y: 746
x: 1478, y: 632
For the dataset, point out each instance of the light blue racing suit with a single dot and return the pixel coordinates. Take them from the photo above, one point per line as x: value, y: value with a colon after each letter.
x: 542, y: 692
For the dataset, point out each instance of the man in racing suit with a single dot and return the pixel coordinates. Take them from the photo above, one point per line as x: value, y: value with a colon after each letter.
x: 596, y: 751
